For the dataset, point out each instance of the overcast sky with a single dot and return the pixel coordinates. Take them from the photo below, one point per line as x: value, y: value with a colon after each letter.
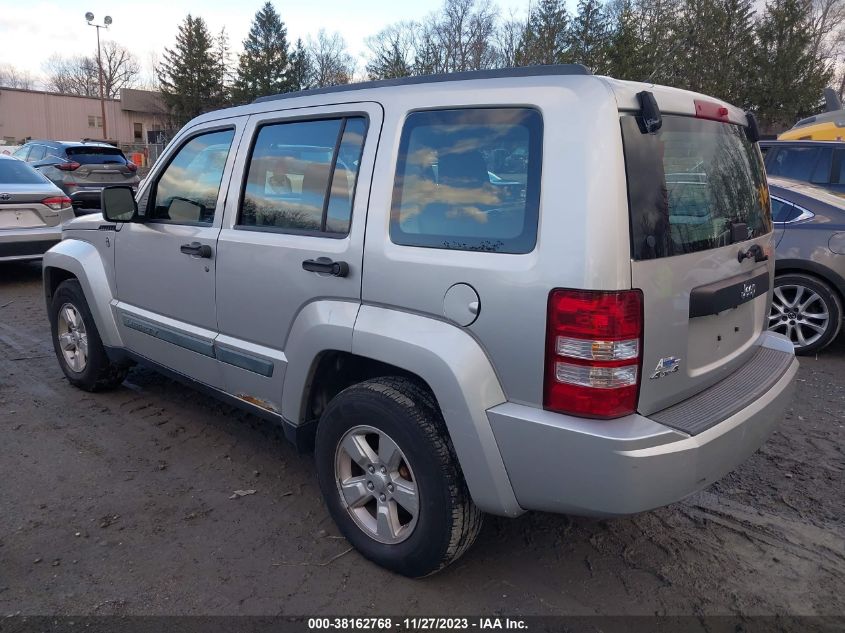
x: 32, y: 30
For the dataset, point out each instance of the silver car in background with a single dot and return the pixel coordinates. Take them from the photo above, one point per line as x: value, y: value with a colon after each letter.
x: 810, y: 268
x: 32, y: 210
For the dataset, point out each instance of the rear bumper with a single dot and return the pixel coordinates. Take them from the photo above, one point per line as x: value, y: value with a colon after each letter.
x: 559, y: 463
x: 23, y: 244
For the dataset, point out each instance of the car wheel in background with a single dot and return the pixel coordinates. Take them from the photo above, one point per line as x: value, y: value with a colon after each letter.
x: 806, y: 310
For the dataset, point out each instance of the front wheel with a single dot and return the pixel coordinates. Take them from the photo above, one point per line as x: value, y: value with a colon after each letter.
x: 390, y: 477
x: 806, y: 310
x: 77, y: 343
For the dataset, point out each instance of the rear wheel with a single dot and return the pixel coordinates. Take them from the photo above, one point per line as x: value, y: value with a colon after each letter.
x: 806, y: 310
x: 77, y: 343
x: 390, y: 477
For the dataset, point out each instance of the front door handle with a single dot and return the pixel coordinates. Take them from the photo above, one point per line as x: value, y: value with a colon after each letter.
x: 195, y: 249
x: 326, y: 266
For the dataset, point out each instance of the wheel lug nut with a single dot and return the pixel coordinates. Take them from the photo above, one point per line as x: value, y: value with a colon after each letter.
x: 370, y: 485
x: 371, y: 468
x: 390, y: 487
x: 383, y: 470
x: 382, y: 497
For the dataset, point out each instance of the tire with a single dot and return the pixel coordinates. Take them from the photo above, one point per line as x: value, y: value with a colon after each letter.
x: 91, y: 371
x: 798, y: 306
x: 446, y: 523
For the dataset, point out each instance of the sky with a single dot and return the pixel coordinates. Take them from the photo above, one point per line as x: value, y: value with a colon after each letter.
x: 33, y: 30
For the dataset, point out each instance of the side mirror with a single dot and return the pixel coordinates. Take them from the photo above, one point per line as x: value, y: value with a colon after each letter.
x: 118, y: 204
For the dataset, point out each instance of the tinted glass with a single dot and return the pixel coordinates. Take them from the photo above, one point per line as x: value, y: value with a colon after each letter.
x: 688, y: 183
x: 797, y: 163
x: 469, y: 180
x: 287, y: 185
x: 15, y: 172
x: 22, y: 152
x: 821, y: 172
x: 187, y: 190
x: 783, y: 211
x: 96, y: 155
x: 37, y: 153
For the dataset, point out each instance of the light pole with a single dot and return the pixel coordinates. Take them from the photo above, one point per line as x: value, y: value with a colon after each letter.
x: 89, y: 17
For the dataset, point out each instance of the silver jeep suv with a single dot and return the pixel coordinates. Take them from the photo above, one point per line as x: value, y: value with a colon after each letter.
x: 515, y: 290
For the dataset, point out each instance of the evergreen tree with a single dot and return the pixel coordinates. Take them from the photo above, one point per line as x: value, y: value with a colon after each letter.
x: 624, y: 47
x: 223, y: 55
x: 189, y: 74
x: 588, y: 35
x: 544, y: 40
x: 658, y: 33
x: 301, y: 73
x: 262, y: 67
x: 391, y: 53
x: 736, y: 52
x: 790, y: 78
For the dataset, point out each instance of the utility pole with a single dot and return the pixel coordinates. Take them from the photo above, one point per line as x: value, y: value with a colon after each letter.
x: 106, y: 22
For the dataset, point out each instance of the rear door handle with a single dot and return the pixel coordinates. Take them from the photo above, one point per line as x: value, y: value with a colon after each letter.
x: 195, y: 249
x: 326, y: 266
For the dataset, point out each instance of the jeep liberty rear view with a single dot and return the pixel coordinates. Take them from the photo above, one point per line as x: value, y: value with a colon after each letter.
x: 487, y: 292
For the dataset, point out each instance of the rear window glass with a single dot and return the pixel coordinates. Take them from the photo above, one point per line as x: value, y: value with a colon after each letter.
x: 15, y: 172
x: 96, y: 155
x: 469, y: 180
x: 689, y: 183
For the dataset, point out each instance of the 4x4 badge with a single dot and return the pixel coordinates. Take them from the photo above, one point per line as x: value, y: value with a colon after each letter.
x: 668, y: 365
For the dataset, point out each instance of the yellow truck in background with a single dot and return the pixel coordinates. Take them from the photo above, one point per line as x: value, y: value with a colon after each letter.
x: 827, y: 126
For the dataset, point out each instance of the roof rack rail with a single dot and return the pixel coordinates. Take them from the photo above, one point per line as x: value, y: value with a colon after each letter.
x: 523, y: 71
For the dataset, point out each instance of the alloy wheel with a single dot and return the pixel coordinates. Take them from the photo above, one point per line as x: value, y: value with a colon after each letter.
x: 376, y: 484
x: 799, y: 313
x: 73, y: 338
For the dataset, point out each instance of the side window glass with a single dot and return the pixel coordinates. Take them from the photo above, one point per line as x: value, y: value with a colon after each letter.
x: 37, y: 153
x: 780, y: 210
x: 794, y: 162
x: 840, y: 157
x: 302, y: 176
x: 821, y: 173
x: 469, y: 179
x: 186, y: 191
x: 22, y: 152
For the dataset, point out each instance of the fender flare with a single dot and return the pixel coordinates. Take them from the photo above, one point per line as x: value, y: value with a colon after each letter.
x: 464, y: 383
x: 83, y: 261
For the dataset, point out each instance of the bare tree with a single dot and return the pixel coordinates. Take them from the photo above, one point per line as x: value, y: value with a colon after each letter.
x: 332, y: 64
x: 80, y: 75
x: 508, y: 37
x: 120, y: 69
x: 465, y: 32
x: 72, y: 75
x: 11, y: 77
x: 392, y: 51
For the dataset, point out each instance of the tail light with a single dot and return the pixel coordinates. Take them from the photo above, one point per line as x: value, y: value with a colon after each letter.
x: 131, y: 166
x: 593, y: 352
x: 710, y: 110
x: 57, y: 203
x: 71, y: 166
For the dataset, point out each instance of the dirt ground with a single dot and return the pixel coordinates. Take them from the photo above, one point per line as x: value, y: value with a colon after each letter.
x: 119, y: 503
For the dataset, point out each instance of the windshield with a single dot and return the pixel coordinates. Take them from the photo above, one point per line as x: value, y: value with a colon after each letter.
x: 14, y: 172
x: 96, y: 155
x: 689, y: 183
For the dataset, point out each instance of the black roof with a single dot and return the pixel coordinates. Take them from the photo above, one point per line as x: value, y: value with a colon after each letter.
x: 525, y: 71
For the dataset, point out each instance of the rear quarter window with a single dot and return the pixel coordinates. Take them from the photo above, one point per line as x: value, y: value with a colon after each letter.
x: 469, y: 179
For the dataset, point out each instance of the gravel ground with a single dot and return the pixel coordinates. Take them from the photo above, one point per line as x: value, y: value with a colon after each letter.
x: 119, y: 503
